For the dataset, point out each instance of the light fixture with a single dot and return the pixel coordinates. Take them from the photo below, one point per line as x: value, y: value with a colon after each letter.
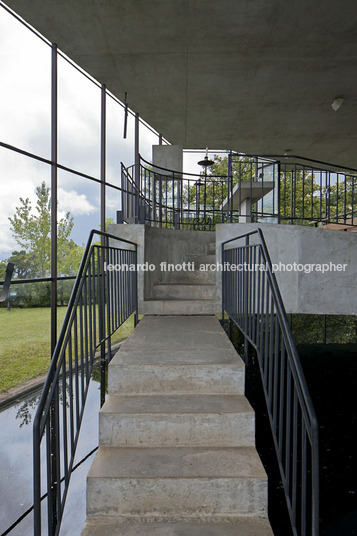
x: 337, y: 103
x: 205, y: 162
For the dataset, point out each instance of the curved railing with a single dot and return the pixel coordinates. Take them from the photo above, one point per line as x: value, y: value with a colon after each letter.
x: 253, y: 189
x: 102, y: 299
x: 251, y: 297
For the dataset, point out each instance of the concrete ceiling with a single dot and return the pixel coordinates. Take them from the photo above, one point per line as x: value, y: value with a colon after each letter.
x: 256, y: 76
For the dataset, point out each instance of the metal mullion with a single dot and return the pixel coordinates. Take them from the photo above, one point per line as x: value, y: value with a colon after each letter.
x: 240, y: 289
x: 121, y: 277
x: 281, y: 397
x: 303, y: 192
x: 127, y: 277
x: 276, y: 372
x: 49, y: 461
x: 116, y: 290
x: 64, y: 411
x: 94, y: 302
x: 259, y: 278
x: 249, y: 292
x: 294, y: 461
x: 70, y: 382
x: 85, y: 295
x: 312, y: 194
x: 80, y: 305
x: 271, y: 360
x: 329, y: 195
x: 90, y: 318
x: 337, y: 195
x: 320, y: 194
x: 266, y: 337
x: 107, y: 294
x: 352, y: 195
x: 254, y: 316
x: 288, y: 426
x: 58, y: 456
x: 303, y: 479
x: 345, y: 200
x: 285, y: 180
x: 262, y: 307
x: 75, y: 344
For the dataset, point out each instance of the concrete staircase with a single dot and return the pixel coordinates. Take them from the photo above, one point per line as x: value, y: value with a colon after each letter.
x: 177, y: 455
x: 190, y: 291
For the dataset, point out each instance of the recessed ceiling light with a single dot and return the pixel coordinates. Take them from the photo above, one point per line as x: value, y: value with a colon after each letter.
x: 336, y: 103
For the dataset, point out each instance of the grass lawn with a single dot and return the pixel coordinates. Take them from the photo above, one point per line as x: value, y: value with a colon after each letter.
x: 25, y: 343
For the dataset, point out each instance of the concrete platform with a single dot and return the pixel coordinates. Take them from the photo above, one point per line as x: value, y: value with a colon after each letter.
x: 238, y: 526
x: 184, y: 291
x: 177, y: 421
x: 191, y: 481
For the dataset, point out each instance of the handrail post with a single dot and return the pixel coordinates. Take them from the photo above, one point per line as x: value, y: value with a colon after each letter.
x: 101, y: 309
x: 245, y: 298
x: 223, y: 284
x: 136, y: 290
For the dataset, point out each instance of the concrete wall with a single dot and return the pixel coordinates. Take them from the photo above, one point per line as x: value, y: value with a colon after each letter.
x: 135, y: 233
x: 167, y: 156
x: 315, y: 292
x: 171, y: 246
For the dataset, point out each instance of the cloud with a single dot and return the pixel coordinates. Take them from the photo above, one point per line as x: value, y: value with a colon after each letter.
x: 73, y: 202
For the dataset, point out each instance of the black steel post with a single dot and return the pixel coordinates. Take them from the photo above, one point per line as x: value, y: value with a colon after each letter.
x: 229, y: 188
x: 54, y: 198
x: 102, y: 160
x: 52, y: 429
x: 137, y: 166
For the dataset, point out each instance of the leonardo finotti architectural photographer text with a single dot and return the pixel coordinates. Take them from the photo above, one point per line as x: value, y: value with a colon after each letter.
x: 306, y: 268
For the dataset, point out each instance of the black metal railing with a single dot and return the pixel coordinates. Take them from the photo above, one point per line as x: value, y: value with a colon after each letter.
x: 103, y: 297
x: 251, y: 298
x: 258, y: 189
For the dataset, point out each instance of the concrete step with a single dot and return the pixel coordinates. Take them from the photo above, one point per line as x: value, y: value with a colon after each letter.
x: 169, y: 291
x: 179, y: 307
x: 176, y: 421
x: 230, y: 526
x: 186, y: 340
x: 175, y: 379
x: 143, y: 367
x: 189, y: 277
x: 176, y: 482
x: 200, y: 258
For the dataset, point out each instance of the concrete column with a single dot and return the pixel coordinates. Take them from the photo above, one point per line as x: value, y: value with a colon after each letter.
x: 245, y: 211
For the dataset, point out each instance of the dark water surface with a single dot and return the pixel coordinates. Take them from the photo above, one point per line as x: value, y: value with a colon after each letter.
x: 331, y: 373
x: 16, y: 465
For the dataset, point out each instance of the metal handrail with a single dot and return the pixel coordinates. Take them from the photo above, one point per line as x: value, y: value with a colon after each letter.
x: 100, y: 302
x: 252, y: 299
x: 297, y: 192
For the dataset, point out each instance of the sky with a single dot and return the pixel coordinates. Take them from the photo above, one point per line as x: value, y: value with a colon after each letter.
x: 25, y: 123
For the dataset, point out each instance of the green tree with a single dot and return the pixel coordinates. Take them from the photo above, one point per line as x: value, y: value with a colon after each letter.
x: 31, y: 228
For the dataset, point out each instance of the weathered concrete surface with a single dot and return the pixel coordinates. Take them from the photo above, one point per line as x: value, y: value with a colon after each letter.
x: 177, y: 421
x: 165, y: 292
x: 167, y: 157
x: 238, y: 526
x: 257, y: 77
x: 193, y: 481
x: 333, y: 292
x: 141, y: 368
x: 183, y: 452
